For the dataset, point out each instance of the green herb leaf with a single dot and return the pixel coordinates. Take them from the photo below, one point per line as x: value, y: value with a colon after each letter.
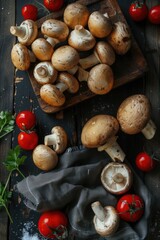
x: 7, y: 122
x: 13, y: 160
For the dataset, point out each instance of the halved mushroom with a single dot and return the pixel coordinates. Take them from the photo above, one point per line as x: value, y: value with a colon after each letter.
x: 117, y: 178
x: 99, y: 132
x: 76, y: 14
x: 106, y: 219
x: 57, y: 138
x: 120, y: 38
x: 99, y: 24
x: 26, y: 32
x: 134, y: 116
x: 103, y: 53
x: 21, y: 57
x: 53, y: 94
x: 42, y: 49
x: 44, y: 72
x: 81, y: 39
x: 65, y: 58
x: 44, y: 157
x: 55, y: 29
x: 100, y: 78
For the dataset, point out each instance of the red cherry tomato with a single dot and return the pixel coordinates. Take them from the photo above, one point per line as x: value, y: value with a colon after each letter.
x: 138, y: 11
x: 29, y: 11
x: 154, y: 14
x: 26, y: 120
x: 130, y: 207
x: 53, y: 5
x: 28, y: 141
x: 144, y: 162
x: 53, y: 225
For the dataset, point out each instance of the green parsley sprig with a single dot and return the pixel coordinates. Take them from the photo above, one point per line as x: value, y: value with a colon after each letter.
x: 7, y: 122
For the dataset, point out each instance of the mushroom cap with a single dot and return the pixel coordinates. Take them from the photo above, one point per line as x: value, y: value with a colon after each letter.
x: 101, y: 79
x: 99, y: 25
x: 61, y: 139
x: 110, y: 225
x: 81, y: 39
x: 44, y: 157
x: 31, y: 29
x: 20, y: 57
x: 116, y: 178
x: 76, y: 14
x: 98, y: 130
x: 134, y: 113
x: 105, y: 53
x: 71, y: 82
x: 120, y: 38
x: 65, y: 58
x: 55, y: 28
x: 44, y: 72
x: 52, y: 95
x: 42, y: 49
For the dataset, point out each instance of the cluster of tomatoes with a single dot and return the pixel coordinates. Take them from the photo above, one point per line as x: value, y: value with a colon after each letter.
x: 30, y: 11
x: 27, y: 138
x: 139, y: 11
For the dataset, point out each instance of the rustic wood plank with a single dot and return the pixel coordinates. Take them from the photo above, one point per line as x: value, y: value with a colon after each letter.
x: 7, y: 17
x: 126, y: 68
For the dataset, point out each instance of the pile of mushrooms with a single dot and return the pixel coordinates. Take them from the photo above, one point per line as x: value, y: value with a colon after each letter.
x: 58, y: 47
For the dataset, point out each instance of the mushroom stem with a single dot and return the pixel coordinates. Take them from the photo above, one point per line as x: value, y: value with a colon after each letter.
x: 18, y: 31
x: 82, y: 75
x: 99, y: 211
x: 89, y: 61
x: 61, y: 86
x: 80, y: 30
x: 113, y: 149
x: 50, y: 140
x: 118, y: 178
x: 73, y: 70
x: 52, y: 41
x: 42, y: 71
x: 149, y: 130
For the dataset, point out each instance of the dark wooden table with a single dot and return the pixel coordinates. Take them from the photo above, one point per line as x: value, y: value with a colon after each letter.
x: 16, y: 94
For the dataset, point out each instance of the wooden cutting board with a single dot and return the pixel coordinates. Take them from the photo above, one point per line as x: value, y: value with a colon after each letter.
x: 126, y: 68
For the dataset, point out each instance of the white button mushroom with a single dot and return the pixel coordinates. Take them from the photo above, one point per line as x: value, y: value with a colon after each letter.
x: 57, y: 138
x: 55, y: 29
x: 42, y: 49
x: 134, y: 115
x: 100, y: 78
x: 44, y: 72
x: 120, y: 38
x: 116, y: 178
x: 53, y: 94
x: 21, y: 57
x: 103, y: 53
x: 81, y: 39
x: 26, y: 32
x: 99, y: 132
x: 76, y: 14
x: 44, y: 157
x: 106, y: 219
x: 99, y: 25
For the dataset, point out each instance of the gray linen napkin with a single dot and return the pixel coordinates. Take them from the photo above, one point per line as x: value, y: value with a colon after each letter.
x: 73, y: 186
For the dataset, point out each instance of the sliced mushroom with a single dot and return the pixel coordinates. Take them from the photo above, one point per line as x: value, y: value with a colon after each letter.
x: 116, y: 178
x: 57, y: 138
x: 81, y: 39
x: 55, y: 29
x: 120, y: 38
x: 44, y: 157
x: 65, y: 58
x: 76, y: 14
x: 134, y: 116
x: 53, y: 94
x: 99, y: 25
x: 21, y: 57
x: 99, y: 132
x: 42, y: 49
x: 26, y: 32
x: 106, y: 219
x: 103, y: 53
x: 100, y: 79
x: 44, y: 72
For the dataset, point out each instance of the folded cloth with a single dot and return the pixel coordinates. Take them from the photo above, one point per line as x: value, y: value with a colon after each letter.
x: 73, y: 186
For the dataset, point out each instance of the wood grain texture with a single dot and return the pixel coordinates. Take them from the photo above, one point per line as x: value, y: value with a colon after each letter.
x: 126, y: 68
